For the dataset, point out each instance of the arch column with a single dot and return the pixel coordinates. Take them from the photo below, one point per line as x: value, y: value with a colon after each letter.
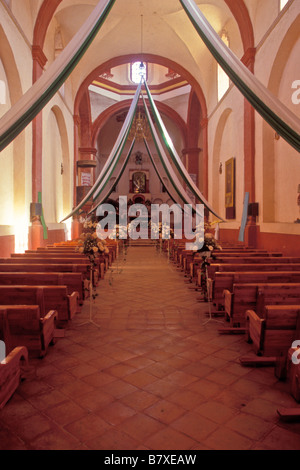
x: 39, y: 62
x: 204, y: 127
x: 35, y: 235
x: 252, y: 229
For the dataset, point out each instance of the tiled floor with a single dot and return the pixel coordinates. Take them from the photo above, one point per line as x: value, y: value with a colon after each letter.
x: 148, y: 375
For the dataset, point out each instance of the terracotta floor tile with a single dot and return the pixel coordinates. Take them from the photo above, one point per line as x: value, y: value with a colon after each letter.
x: 250, y: 426
x: 139, y: 400
x: 227, y: 440
x: 170, y: 439
x: 116, y: 412
x: 113, y: 439
x: 162, y: 388
x: 119, y: 388
x: 65, y: 413
x: 153, y: 376
x: 165, y: 411
x: 215, y: 411
x: 194, y: 426
x: 181, y: 378
x: 186, y: 399
x: 140, y: 426
x: 31, y: 427
x: 140, y: 378
x: 87, y: 428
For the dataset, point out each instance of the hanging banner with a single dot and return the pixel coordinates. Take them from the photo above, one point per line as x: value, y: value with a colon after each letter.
x: 175, y: 157
x: 120, y: 173
x: 166, y: 164
x: 157, y: 172
x: 34, y: 100
x: 113, y: 157
x: 285, y: 123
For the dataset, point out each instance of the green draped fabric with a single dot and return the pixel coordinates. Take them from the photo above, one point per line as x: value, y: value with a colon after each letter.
x: 110, y: 165
x: 175, y: 157
x: 120, y: 173
x: 34, y: 100
x: 285, y: 123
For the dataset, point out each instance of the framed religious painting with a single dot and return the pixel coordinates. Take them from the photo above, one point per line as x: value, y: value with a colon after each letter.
x: 230, y: 188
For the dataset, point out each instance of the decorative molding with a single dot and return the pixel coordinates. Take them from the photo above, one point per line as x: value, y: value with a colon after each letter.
x: 39, y: 56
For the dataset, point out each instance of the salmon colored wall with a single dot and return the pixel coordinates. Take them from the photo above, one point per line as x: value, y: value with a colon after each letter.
x: 7, y: 245
x: 54, y: 236
x: 287, y: 244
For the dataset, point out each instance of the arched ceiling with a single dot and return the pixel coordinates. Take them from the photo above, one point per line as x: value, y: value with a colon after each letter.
x: 167, y: 32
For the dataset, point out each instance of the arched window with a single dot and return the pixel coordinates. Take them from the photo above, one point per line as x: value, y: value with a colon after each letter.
x: 282, y: 4
x: 137, y: 71
x: 2, y: 92
x: 223, y: 79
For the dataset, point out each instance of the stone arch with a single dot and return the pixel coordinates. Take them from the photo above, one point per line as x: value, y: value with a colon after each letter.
x: 276, y: 76
x: 14, y: 92
x: 65, y: 152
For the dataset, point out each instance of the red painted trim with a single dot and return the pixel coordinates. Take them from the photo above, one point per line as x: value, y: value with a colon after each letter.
x: 43, y: 20
x: 125, y: 89
x: 242, y: 17
x: 151, y: 58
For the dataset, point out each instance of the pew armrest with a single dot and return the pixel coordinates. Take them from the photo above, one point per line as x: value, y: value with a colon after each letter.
x: 255, y: 327
x: 228, y: 300
x: 11, y: 373
x: 73, y: 304
x: 48, y: 325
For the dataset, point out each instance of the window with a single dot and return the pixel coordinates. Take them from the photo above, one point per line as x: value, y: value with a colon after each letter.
x: 137, y: 71
x: 223, y: 79
x: 2, y: 92
x: 282, y: 4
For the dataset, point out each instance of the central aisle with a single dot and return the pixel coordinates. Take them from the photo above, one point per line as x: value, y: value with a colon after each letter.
x: 150, y: 376
x: 145, y: 292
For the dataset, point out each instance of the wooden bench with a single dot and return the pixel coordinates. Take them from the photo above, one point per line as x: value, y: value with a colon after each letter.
x: 73, y: 281
x: 11, y: 373
x: 50, y: 268
x: 273, y: 333
x: 46, y: 297
x: 244, y: 254
x: 256, y: 260
x: 57, y: 257
x: 25, y: 327
x: 225, y: 281
x: 213, y: 268
x: 255, y: 297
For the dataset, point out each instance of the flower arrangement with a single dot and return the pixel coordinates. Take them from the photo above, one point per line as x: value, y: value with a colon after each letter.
x: 89, y: 244
x: 206, y: 240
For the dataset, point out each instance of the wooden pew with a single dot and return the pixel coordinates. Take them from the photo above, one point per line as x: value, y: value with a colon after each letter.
x: 46, y: 297
x: 225, y: 281
x: 273, y: 333
x: 27, y: 328
x: 11, y: 373
x: 244, y: 254
x: 50, y: 268
x: 213, y: 268
x: 255, y: 297
x: 73, y: 281
x: 256, y: 259
x: 64, y: 257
